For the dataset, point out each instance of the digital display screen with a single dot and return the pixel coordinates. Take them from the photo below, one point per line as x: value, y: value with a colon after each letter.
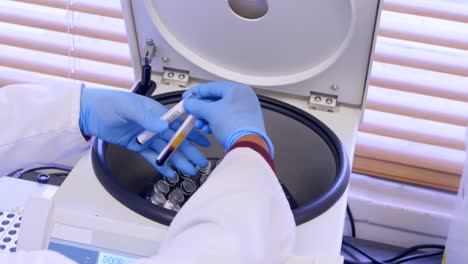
x: 88, y: 254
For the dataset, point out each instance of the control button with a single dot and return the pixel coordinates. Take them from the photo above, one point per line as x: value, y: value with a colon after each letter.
x: 2, y: 246
x: 7, y: 239
x: 13, y: 249
x: 6, y: 222
x: 1, y: 213
x: 12, y: 232
x: 10, y: 215
x: 17, y: 225
x: 2, y: 229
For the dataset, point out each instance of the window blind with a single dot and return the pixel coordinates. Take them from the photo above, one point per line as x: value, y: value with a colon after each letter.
x: 50, y: 40
x: 417, y: 105
x: 413, y: 128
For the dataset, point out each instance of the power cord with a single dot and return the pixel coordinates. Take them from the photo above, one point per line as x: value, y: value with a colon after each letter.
x: 401, y: 257
x: 145, y: 86
x: 412, y: 249
x: 362, y: 252
x: 351, y: 221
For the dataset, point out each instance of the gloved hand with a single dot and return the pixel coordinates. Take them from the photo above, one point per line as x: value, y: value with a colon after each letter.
x: 118, y: 117
x: 231, y: 110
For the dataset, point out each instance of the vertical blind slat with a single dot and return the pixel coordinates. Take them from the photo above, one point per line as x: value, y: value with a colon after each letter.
x: 109, y: 8
x: 410, y: 153
x: 431, y: 8
x: 104, y: 51
x: 413, y: 129
x: 64, y: 66
x: 418, y: 106
x: 425, y: 30
x: 388, y: 51
x: 419, y: 81
x: 83, y: 24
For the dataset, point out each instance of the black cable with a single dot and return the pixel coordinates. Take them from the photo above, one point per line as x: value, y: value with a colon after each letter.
x: 420, y: 256
x: 59, y: 167
x: 145, y: 86
x: 407, y: 251
x: 351, y: 221
x: 362, y: 252
x: 348, y: 261
x: 399, y: 258
x: 146, y: 73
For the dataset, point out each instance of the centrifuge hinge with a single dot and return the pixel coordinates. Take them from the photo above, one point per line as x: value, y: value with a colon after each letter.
x: 175, y: 77
x: 323, y: 102
x: 150, y: 51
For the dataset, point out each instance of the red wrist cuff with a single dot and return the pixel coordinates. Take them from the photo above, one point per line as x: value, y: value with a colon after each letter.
x: 257, y: 148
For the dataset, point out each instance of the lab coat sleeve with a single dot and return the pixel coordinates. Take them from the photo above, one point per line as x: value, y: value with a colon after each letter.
x: 40, y: 124
x: 34, y: 257
x: 239, y: 215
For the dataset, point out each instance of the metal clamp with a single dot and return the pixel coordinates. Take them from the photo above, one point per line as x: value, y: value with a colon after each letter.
x: 323, y: 102
x: 150, y: 50
x: 177, y: 77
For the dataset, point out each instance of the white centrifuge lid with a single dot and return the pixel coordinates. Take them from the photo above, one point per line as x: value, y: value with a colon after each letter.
x: 291, y: 46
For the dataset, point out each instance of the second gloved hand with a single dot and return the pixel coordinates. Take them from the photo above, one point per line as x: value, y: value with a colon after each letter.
x: 232, y: 110
x: 118, y: 117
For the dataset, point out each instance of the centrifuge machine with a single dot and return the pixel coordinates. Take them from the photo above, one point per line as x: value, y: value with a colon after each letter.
x: 309, y: 62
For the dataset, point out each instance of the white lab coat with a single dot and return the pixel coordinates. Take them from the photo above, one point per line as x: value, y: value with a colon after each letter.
x: 240, y: 215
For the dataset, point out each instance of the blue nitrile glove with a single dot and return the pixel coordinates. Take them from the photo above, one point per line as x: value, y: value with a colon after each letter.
x: 231, y: 111
x: 118, y: 117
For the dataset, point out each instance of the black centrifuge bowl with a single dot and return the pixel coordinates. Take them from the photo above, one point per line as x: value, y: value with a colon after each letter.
x: 310, y: 161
